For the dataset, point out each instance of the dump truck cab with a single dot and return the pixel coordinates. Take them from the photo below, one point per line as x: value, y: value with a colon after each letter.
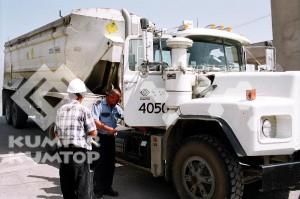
x: 195, y: 103
x: 213, y: 51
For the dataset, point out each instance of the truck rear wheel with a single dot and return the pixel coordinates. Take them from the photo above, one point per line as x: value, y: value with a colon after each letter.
x: 19, y: 117
x: 7, y: 109
x: 203, y: 168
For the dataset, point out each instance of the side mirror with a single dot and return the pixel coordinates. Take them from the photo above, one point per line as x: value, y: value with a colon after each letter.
x: 270, y: 59
x: 144, y: 23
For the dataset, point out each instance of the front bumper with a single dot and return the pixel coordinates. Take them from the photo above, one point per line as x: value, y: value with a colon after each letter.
x: 281, y: 176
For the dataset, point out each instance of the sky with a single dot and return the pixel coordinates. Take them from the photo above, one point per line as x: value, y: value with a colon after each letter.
x: 251, y: 18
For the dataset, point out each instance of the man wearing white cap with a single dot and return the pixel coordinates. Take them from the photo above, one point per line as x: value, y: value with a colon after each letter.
x: 74, y: 126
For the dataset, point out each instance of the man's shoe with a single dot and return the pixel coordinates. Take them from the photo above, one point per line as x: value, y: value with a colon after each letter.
x: 111, y: 192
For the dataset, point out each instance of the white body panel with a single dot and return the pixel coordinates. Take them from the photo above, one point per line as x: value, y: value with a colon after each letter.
x: 134, y: 98
x: 278, y: 95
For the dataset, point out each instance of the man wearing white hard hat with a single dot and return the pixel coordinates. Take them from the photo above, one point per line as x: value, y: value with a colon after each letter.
x: 74, y: 127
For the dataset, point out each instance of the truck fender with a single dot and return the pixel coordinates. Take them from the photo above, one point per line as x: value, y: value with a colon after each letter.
x: 237, y: 147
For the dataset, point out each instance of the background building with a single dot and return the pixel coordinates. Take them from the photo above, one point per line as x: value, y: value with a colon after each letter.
x: 286, y: 32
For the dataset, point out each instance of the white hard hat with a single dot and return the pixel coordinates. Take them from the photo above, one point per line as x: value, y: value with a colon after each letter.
x: 76, y: 86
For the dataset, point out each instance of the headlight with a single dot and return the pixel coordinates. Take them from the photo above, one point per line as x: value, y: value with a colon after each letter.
x: 275, y: 126
x: 268, y: 127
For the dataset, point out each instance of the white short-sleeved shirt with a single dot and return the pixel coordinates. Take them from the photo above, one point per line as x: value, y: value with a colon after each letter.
x: 73, y: 122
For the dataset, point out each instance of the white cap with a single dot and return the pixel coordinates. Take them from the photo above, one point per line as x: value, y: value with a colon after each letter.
x: 76, y: 86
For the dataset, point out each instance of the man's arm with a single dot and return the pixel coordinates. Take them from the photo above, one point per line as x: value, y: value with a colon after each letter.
x: 96, y: 110
x: 92, y: 133
x: 89, y: 124
x: 104, y: 127
x: 55, y: 134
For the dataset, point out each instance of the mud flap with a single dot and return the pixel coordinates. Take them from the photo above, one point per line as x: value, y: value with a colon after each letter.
x: 91, y: 184
x: 281, y: 176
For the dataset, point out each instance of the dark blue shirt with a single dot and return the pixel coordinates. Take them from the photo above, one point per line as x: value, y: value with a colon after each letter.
x: 106, y: 114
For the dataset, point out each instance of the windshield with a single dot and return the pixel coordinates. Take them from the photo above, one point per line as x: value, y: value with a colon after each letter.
x: 212, y: 54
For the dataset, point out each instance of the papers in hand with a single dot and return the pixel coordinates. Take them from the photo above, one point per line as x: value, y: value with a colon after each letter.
x: 90, y: 140
x: 122, y: 128
x: 96, y: 144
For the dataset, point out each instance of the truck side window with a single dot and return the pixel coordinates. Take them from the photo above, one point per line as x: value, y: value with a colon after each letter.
x: 166, y: 56
x: 136, y: 54
x: 166, y: 52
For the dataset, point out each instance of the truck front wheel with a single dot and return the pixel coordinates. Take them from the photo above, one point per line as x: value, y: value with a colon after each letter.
x: 203, y: 168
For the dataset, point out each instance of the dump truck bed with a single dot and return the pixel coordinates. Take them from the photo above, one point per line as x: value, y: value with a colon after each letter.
x: 82, y: 40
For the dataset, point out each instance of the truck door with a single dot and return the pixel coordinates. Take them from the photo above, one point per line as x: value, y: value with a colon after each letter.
x: 144, y: 95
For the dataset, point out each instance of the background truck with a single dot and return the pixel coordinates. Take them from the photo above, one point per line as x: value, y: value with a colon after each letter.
x: 194, y: 111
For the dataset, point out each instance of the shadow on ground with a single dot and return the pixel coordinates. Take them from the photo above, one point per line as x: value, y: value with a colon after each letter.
x: 141, y: 184
x: 50, y: 190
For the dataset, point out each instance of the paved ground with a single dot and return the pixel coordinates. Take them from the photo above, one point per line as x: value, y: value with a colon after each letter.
x: 23, y: 178
x: 0, y: 101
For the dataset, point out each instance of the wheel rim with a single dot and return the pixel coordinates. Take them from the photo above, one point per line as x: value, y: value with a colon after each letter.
x: 198, y: 178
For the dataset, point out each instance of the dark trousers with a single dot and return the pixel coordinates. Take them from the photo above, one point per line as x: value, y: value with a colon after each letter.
x: 105, y: 167
x: 74, y: 177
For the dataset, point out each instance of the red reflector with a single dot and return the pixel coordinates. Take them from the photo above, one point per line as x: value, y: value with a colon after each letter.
x: 251, y: 94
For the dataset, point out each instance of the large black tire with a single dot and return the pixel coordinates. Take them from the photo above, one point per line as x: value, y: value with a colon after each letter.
x: 19, y: 117
x: 203, y: 168
x: 50, y: 132
x: 51, y: 149
x: 7, y: 108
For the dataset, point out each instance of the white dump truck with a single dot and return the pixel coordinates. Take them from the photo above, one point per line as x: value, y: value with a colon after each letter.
x: 194, y: 111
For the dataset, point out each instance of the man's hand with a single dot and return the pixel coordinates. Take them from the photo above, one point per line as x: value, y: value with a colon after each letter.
x: 102, y: 126
x: 92, y: 133
x: 99, y: 125
x: 111, y: 130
